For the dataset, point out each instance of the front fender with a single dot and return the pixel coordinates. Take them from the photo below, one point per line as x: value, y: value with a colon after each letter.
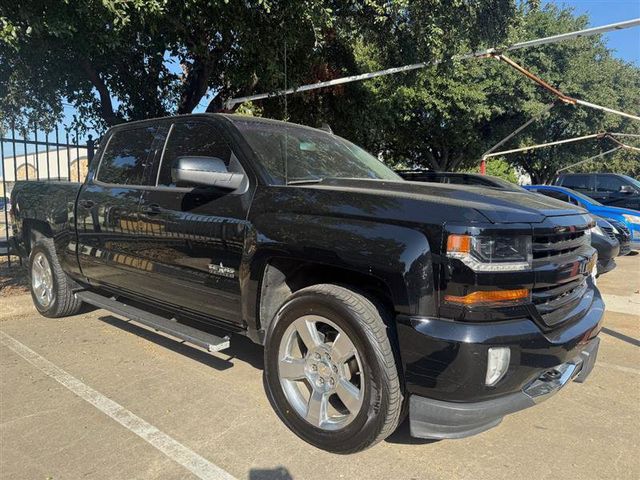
x: 398, y: 256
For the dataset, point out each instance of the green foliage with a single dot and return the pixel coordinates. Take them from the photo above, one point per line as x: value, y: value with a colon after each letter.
x: 498, y: 167
x: 119, y: 60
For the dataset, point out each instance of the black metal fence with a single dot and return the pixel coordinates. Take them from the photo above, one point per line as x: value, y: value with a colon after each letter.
x: 56, y: 154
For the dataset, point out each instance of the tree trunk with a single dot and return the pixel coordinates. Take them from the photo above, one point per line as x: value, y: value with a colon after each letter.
x: 106, y: 106
x: 195, y: 86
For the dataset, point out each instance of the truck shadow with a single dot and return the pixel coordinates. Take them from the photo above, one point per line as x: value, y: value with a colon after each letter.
x: 241, y: 348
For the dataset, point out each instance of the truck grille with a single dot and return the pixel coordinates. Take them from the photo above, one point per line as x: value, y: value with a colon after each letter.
x: 553, y: 245
x: 609, y: 232
x: 552, y: 302
x: 560, y: 257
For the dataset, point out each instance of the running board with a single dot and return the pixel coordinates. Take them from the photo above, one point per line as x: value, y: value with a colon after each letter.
x: 208, y: 341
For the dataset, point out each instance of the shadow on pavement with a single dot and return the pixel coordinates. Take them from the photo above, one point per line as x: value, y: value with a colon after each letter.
x: 279, y: 473
x: 621, y: 336
x: 241, y: 348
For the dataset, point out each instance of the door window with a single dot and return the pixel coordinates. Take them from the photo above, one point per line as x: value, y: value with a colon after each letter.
x: 609, y: 183
x: 553, y: 194
x: 197, y: 139
x: 126, y: 155
x: 577, y: 182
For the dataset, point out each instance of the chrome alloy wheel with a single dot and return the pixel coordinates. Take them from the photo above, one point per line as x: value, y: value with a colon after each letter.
x: 42, y: 280
x: 321, y: 372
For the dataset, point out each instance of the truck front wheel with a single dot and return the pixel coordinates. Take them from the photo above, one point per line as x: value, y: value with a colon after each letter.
x: 51, y: 288
x: 330, y: 372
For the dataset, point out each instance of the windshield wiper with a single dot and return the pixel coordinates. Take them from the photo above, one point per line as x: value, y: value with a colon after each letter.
x: 305, y: 180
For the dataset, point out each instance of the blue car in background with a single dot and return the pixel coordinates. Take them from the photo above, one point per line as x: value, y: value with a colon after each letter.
x: 626, y: 216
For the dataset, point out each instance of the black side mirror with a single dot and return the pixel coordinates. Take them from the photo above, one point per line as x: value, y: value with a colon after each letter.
x: 626, y: 189
x: 210, y: 171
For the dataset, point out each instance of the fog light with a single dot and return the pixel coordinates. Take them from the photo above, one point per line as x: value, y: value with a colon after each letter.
x: 497, y: 364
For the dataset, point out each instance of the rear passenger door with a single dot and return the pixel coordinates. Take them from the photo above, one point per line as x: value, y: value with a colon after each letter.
x: 108, y: 209
x: 193, y: 236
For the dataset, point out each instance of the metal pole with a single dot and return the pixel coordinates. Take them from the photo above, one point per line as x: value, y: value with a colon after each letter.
x: 605, y: 109
x: 564, y: 98
x: 6, y: 197
x: 389, y: 71
x: 520, y: 128
x: 589, y: 159
x: 548, y: 144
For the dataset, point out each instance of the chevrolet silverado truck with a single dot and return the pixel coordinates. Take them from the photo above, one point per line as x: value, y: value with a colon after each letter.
x: 375, y: 298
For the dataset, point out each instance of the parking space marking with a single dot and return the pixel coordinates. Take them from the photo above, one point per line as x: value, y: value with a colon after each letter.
x: 196, y: 464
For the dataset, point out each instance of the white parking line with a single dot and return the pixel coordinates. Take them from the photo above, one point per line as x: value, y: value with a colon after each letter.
x: 199, y: 466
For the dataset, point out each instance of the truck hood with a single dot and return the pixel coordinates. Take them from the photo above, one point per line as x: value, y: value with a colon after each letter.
x: 496, y: 205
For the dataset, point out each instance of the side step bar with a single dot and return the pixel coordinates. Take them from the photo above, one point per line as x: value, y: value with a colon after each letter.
x: 210, y: 342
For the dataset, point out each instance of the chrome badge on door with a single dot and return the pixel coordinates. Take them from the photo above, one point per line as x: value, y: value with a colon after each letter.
x: 221, y: 270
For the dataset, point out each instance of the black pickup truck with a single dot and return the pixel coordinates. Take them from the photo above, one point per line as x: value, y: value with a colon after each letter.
x: 374, y: 297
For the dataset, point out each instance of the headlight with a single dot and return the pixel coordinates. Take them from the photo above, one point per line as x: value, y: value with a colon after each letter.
x: 491, y: 254
x: 597, y: 230
x: 631, y: 218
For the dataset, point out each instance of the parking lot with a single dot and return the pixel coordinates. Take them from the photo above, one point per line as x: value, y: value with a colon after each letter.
x: 94, y: 396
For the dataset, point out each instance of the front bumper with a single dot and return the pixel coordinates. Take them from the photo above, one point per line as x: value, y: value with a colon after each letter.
x: 605, y: 265
x: 445, y: 366
x: 437, y: 419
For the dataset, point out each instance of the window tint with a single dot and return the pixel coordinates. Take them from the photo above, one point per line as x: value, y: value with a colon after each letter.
x: 196, y: 139
x: 124, y: 159
x: 553, y: 194
x: 609, y: 183
x: 578, y: 182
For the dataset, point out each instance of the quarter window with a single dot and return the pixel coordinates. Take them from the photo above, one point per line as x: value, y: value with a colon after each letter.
x: 126, y: 155
x: 197, y: 139
x: 609, y: 183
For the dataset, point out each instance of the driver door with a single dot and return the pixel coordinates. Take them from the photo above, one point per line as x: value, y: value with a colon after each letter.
x: 193, y: 236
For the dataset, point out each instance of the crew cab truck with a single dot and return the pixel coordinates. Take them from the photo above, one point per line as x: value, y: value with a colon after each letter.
x: 374, y: 297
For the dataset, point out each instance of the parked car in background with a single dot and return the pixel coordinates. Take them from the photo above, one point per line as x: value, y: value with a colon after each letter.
x: 605, y: 242
x: 611, y: 189
x: 629, y: 218
x: 373, y: 297
x: 622, y: 234
x: 457, y: 178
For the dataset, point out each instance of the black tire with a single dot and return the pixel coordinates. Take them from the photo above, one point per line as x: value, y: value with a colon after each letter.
x: 382, y: 408
x: 64, y: 302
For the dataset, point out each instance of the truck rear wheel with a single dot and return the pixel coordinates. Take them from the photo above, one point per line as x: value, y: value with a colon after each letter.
x: 51, y: 288
x: 330, y: 372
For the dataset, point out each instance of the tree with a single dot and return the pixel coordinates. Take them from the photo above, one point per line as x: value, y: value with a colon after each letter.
x: 117, y: 60
x: 585, y: 69
x: 446, y: 116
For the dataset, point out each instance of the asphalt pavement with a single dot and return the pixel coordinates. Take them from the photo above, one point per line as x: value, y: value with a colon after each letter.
x: 94, y: 396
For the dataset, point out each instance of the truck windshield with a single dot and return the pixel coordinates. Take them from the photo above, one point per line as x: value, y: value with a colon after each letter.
x: 295, y: 154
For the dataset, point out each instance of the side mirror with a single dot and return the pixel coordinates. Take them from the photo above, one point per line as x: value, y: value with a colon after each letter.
x: 626, y: 189
x: 210, y: 171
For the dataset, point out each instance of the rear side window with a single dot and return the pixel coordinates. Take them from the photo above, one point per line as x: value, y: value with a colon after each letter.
x: 126, y: 155
x: 194, y: 139
x: 577, y: 182
x: 609, y: 183
x: 553, y: 194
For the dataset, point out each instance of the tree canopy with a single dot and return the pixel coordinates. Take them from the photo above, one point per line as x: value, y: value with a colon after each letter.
x: 121, y: 60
